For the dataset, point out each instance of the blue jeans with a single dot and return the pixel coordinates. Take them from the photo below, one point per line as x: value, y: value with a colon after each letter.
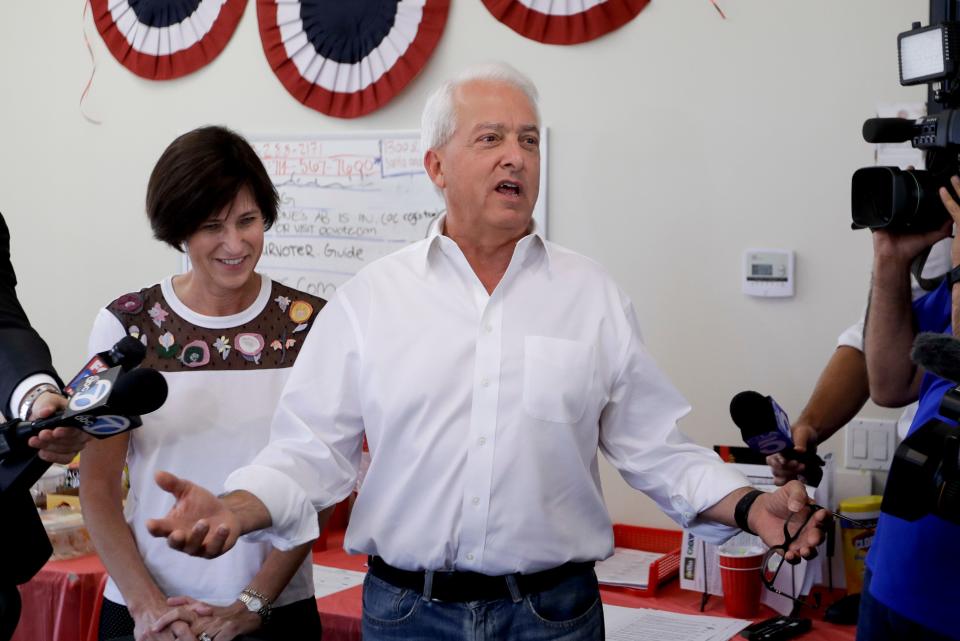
x: 877, y: 622
x: 569, y: 611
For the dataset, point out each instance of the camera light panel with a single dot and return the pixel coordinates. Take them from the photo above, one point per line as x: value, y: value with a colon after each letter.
x: 768, y: 273
x: 925, y: 54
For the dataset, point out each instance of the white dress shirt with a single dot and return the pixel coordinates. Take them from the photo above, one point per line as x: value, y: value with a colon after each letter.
x: 23, y: 388
x: 483, y: 415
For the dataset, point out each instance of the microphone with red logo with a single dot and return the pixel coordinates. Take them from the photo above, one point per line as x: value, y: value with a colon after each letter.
x: 766, y: 429
x: 103, y: 404
x: 127, y: 353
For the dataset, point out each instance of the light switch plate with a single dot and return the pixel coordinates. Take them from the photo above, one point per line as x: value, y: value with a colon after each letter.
x: 869, y: 444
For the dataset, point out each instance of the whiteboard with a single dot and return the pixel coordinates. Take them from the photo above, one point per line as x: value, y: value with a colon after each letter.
x: 347, y: 200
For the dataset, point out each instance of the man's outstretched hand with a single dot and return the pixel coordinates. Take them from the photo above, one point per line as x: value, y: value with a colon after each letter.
x: 772, y: 509
x: 199, y: 523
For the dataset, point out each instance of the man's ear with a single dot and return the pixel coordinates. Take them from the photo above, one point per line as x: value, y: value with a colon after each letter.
x: 434, y: 167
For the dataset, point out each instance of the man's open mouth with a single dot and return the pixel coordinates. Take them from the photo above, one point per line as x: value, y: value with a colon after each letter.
x: 509, y: 188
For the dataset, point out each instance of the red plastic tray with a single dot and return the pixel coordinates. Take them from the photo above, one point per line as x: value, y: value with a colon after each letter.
x: 651, y: 540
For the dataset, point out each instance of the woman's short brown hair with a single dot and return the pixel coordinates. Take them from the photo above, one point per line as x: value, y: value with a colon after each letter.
x: 198, y: 175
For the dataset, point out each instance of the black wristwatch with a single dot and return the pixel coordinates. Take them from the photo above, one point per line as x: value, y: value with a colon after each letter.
x: 953, y: 276
x: 743, y: 509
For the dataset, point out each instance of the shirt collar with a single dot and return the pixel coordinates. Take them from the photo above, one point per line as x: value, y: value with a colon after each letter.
x: 525, y: 245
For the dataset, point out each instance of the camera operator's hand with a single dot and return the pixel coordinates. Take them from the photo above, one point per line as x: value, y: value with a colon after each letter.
x: 954, y: 210
x: 804, y: 440
x: 901, y: 249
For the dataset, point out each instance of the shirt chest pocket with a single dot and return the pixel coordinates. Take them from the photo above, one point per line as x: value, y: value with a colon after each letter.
x: 557, y: 377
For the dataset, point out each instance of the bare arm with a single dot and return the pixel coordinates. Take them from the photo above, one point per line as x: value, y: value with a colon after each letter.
x: 840, y: 393
x: 890, y: 328
x: 101, y: 467
x: 280, y: 566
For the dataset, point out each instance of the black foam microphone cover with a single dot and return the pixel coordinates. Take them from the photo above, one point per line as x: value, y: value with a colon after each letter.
x: 140, y: 391
x: 887, y: 130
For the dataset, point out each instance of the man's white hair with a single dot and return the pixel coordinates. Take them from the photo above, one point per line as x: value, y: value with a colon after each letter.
x: 439, y: 119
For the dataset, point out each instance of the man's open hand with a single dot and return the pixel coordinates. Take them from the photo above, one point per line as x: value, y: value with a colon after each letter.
x: 198, y: 524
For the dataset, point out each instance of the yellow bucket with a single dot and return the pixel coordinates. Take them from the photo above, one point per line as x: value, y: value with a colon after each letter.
x: 857, y: 540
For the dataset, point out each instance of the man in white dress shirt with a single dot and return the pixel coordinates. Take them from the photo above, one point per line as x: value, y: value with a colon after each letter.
x: 485, y: 366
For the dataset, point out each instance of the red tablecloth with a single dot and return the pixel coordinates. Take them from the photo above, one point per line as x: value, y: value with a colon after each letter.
x: 61, y: 603
x: 340, y: 612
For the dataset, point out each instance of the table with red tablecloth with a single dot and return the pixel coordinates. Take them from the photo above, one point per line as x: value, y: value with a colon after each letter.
x: 62, y: 602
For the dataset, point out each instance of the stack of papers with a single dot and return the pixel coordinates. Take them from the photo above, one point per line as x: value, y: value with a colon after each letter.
x: 627, y: 567
x: 640, y: 624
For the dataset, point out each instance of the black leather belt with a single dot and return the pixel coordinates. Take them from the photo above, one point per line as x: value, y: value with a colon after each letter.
x: 472, y: 586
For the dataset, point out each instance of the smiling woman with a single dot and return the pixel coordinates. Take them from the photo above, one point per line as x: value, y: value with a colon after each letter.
x: 224, y: 337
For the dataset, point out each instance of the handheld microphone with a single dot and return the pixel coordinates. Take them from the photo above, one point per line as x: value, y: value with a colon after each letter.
x: 106, y: 404
x: 766, y: 429
x: 103, y: 405
x: 128, y: 352
x: 938, y: 354
x: 883, y: 130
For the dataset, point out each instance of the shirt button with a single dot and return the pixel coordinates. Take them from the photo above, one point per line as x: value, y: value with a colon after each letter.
x: 485, y: 382
x: 470, y: 556
x: 482, y: 440
x: 476, y: 500
x: 488, y: 328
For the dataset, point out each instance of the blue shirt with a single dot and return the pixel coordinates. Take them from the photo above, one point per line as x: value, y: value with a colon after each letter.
x: 916, y: 565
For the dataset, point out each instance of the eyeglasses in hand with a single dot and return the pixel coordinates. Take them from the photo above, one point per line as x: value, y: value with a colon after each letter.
x: 775, y: 557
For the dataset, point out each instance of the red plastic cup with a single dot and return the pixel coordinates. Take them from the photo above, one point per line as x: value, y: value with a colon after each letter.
x: 740, y: 576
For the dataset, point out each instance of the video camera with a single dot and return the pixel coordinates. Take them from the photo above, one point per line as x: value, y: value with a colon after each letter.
x: 925, y: 472
x: 906, y: 201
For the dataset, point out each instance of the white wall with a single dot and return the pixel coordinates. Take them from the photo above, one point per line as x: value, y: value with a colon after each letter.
x: 676, y: 142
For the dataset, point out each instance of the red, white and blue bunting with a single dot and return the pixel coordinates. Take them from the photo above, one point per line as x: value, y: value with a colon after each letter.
x: 164, y: 39
x: 347, y: 58
x: 564, y: 22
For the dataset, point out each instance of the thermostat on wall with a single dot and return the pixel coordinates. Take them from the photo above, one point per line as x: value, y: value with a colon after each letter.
x: 768, y: 273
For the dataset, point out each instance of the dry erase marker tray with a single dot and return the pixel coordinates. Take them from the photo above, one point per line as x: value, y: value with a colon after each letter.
x: 666, y: 542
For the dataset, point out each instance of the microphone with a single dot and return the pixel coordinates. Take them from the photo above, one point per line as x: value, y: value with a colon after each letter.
x: 128, y: 352
x: 101, y: 411
x: 938, y: 354
x: 766, y: 429
x: 881, y: 130
x: 103, y: 405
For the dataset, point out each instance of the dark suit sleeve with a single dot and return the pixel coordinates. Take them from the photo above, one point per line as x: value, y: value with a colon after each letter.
x: 22, y: 351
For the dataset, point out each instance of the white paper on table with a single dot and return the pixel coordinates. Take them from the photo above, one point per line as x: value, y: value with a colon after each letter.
x: 627, y: 567
x: 328, y: 580
x: 640, y: 624
x: 700, y: 565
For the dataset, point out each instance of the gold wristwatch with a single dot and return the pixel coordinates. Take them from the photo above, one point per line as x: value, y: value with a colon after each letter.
x: 256, y: 602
